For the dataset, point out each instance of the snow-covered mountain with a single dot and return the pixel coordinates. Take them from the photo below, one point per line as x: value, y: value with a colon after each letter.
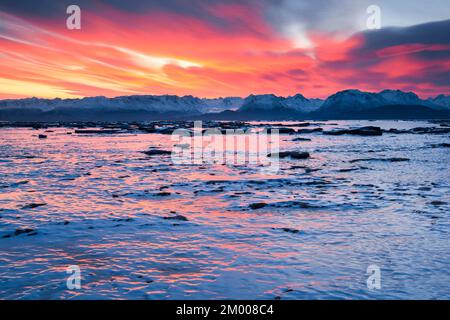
x: 343, y: 104
x: 302, y: 104
x: 269, y: 102
x: 442, y: 101
x: 352, y: 100
x: 158, y: 104
x: 398, y: 97
x: 356, y: 100
x: 221, y: 104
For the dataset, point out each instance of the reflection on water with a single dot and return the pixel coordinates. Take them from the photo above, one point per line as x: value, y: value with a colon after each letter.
x: 111, y: 210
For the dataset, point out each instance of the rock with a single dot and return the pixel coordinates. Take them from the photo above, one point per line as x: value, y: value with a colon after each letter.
x: 438, y: 203
x: 155, y: 152
x: 33, y: 205
x: 309, y: 170
x: 396, y: 131
x: 148, y: 129
x: 124, y: 220
x: 163, y: 194
x: 177, y: 217
x: 430, y: 130
x: 293, y: 204
x: 42, y: 136
x: 290, y: 230
x: 97, y: 131
x: 256, y: 206
x: 289, y: 154
x: 380, y: 159
x: 281, y: 130
x: 363, y: 131
x: 441, y: 145
x: 300, y: 139
x: 301, y: 131
x: 18, y: 232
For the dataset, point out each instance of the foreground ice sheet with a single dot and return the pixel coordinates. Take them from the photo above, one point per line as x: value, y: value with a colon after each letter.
x: 97, y: 202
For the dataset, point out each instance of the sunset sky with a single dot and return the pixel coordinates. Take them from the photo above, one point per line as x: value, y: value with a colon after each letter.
x: 212, y: 48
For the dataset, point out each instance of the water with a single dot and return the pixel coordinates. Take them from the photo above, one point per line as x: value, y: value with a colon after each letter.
x: 105, y: 213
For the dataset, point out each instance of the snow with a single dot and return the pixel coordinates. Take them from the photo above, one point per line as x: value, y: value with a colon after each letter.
x: 354, y: 100
x: 398, y: 97
x: 164, y: 103
x: 270, y: 101
x: 343, y: 101
x: 222, y: 104
x: 442, y: 101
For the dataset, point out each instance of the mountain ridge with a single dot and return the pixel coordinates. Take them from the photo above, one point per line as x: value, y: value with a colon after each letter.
x: 347, y: 103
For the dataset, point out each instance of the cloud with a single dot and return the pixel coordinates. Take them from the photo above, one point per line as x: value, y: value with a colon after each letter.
x: 215, y: 48
x: 413, y: 58
x: 432, y: 33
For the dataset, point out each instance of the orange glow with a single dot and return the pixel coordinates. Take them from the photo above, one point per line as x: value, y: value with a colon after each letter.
x: 168, y: 53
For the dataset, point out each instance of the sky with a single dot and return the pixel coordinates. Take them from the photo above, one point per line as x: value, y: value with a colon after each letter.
x: 217, y: 48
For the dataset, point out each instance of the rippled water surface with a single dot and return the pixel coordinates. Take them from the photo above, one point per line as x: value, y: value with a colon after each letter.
x: 104, y: 207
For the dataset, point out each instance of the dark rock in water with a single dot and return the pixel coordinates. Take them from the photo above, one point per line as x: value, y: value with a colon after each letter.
x: 438, y: 203
x: 301, y: 139
x: 441, y: 145
x: 97, y: 131
x: 124, y: 219
x: 155, y: 152
x: 281, y: 130
x: 301, y: 131
x: 289, y: 230
x: 348, y: 169
x: 163, y: 194
x: 289, y: 154
x: 364, y: 131
x: 297, y: 167
x: 33, y: 205
x: 430, y: 130
x: 396, y: 131
x: 380, y: 159
x: 22, y: 231
x: 42, y: 136
x: 15, y: 184
x: 293, y: 204
x: 256, y: 206
x: 147, y: 128
x: 309, y: 170
x: 177, y: 217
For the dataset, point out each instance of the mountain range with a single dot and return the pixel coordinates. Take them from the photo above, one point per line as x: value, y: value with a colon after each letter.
x: 347, y: 104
